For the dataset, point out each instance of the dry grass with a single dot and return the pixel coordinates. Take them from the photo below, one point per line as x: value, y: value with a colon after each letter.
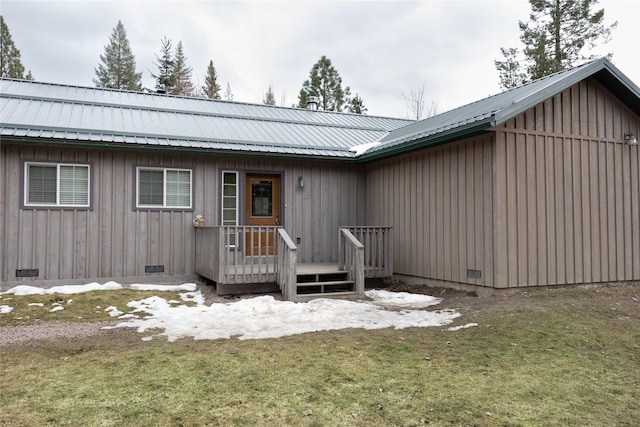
x: 84, y: 307
x: 533, y: 362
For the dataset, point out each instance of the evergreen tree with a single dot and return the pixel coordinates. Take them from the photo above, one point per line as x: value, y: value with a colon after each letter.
x: 269, y: 97
x: 211, y: 88
x: 356, y: 105
x: 181, y: 74
x: 228, y: 95
x: 554, y: 39
x: 165, y: 79
x: 10, y: 63
x: 510, y: 70
x: 325, y: 83
x: 118, y: 67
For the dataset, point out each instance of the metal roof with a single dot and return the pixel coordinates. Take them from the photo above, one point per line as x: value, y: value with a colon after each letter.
x: 89, y: 116
x: 497, y: 109
x: 92, y: 115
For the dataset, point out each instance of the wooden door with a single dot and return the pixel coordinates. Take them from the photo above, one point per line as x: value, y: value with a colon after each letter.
x: 263, y: 209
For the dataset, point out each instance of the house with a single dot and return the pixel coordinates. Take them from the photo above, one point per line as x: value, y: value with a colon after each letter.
x: 536, y: 186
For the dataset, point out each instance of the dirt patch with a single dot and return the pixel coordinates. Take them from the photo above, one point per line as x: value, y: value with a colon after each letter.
x: 623, y: 297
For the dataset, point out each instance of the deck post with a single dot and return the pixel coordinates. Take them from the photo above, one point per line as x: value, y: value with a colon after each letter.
x: 340, y: 250
x: 359, y: 267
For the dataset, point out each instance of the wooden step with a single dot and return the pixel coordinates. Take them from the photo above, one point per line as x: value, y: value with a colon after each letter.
x: 343, y: 295
x: 336, y: 282
x: 325, y: 288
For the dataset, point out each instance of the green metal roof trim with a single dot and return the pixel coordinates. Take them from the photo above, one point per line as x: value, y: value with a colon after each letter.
x: 495, y: 110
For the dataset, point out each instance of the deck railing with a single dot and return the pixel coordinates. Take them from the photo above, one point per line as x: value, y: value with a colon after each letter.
x: 287, y: 255
x: 377, y: 249
x: 237, y: 254
x: 351, y: 258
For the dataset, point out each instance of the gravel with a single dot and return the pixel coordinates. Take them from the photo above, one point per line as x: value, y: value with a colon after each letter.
x: 50, y: 329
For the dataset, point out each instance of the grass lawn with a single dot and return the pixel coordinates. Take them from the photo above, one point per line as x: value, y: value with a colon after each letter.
x: 547, y: 358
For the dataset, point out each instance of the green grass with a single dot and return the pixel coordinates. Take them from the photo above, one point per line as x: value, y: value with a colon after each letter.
x: 84, y: 307
x: 538, y: 363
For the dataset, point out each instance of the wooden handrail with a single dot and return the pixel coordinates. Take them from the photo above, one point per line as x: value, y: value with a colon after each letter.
x: 378, y: 256
x: 287, y: 254
x: 351, y: 258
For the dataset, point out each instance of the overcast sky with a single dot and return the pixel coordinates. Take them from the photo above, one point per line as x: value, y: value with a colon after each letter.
x: 381, y: 49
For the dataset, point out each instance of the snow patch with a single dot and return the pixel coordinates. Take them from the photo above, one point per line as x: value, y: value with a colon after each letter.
x: 36, y: 304
x: 457, y: 328
x: 56, y: 308
x: 402, y: 299
x: 65, y: 289
x: 363, y: 148
x: 113, y: 311
x: 265, y: 317
x: 189, y: 287
x: 4, y: 309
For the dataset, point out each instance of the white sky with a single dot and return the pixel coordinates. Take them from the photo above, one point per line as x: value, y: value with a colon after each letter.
x: 255, y: 317
x: 381, y: 49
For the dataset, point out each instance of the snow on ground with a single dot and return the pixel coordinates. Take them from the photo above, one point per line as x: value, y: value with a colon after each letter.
x: 261, y: 316
x: 457, y: 328
x: 67, y: 289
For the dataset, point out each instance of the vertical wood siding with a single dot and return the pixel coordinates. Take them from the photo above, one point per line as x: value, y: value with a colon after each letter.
x: 552, y: 197
x: 114, y: 240
x: 439, y: 202
x: 567, y: 186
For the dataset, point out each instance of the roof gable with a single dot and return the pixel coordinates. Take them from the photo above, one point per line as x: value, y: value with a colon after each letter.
x: 497, y: 109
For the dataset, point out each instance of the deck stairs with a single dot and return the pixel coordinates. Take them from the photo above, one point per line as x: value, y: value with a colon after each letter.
x: 323, y: 281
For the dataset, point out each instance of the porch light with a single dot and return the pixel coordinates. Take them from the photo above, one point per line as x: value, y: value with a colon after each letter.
x: 300, y: 182
x: 630, y: 139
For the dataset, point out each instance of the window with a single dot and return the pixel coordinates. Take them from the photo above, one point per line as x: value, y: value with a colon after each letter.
x: 230, y: 204
x: 163, y: 188
x: 56, y: 185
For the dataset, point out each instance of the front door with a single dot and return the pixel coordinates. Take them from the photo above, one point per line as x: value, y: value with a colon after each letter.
x: 263, y: 209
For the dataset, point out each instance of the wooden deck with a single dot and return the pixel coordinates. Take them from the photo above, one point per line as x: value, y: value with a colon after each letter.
x: 218, y: 258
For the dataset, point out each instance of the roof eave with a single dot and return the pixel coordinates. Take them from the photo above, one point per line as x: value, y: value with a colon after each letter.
x: 431, y: 140
x: 171, y: 149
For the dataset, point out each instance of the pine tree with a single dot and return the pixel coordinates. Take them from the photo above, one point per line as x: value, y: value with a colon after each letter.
x: 182, y: 74
x: 211, y: 88
x: 118, y: 67
x: 269, y: 97
x: 228, y: 95
x: 165, y: 79
x: 510, y: 70
x: 10, y: 63
x: 554, y: 39
x: 325, y: 83
x: 356, y: 105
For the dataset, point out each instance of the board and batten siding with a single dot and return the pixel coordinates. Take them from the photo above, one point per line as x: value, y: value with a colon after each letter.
x: 115, y: 240
x: 439, y: 202
x: 567, y: 192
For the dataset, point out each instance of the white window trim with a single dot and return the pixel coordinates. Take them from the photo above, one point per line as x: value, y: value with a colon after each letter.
x: 164, y: 188
x: 57, y: 203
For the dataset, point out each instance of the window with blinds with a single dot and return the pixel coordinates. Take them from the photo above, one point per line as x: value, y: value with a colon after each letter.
x: 56, y: 185
x: 163, y: 188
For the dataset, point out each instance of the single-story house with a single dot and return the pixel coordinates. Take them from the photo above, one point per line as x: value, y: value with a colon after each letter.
x: 536, y: 186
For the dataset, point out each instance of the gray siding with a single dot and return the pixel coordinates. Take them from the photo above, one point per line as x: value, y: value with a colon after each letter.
x: 114, y: 240
x: 551, y: 197
x: 567, y: 195
x: 439, y: 202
